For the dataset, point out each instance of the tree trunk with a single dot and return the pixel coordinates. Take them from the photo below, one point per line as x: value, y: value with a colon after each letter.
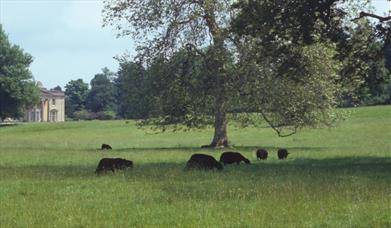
x: 220, y: 138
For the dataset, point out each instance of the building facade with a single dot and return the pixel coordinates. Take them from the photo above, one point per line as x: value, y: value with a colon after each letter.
x: 50, y: 109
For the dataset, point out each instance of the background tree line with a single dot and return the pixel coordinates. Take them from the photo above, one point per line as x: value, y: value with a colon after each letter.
x: 96, y: 102
x: 138, y: 92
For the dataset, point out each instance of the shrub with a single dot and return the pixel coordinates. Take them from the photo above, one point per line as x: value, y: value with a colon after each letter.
x: 82, y: 115
x: 105, y: 115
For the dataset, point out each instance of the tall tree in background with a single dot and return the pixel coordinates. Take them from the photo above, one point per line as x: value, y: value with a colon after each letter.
x: 17, y: 88
x: 383, y: 27
x: 229, y: 64
x: 364, y: 70
x: 101, y: 97
x: 75, y: 96
x: 131, y: 87
x: 378, y: 81
x: 376, y: 88
x: 57, y: 88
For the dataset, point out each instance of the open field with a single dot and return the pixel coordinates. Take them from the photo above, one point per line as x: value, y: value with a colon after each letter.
x: 337, y: 177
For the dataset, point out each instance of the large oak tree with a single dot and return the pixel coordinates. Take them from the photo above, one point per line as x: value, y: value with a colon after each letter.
x: 291, y: 84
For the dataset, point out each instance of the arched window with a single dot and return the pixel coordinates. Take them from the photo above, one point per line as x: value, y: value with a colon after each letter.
x: 53, y: 115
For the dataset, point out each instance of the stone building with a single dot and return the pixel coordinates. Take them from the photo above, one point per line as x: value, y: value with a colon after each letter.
x: 50, y: 109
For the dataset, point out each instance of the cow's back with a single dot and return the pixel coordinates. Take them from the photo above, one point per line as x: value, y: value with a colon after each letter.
x: 203, y: 161
x: 231, y: 157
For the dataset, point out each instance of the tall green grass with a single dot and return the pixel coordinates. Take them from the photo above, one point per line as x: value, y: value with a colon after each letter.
x: 336, y: 177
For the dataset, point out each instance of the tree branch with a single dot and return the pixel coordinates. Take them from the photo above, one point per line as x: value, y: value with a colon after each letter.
x: 192, y: 47
x: 365, y: 14
x: 275, y: 128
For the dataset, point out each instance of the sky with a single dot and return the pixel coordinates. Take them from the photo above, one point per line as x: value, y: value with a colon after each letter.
x: 67, y: 40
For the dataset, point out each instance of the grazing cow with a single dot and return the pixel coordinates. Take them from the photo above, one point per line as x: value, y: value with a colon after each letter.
x: 203, y: 161
x: 262, y: 154
x: 233, y: 157
x: 282, y: 154
x: 106, y: 147
x: 113, y: 164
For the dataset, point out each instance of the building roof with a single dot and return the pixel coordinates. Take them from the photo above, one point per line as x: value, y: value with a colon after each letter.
x: 51, y: 93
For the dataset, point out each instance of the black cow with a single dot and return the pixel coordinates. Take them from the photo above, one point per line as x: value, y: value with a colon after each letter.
x: 282, y: 154
x: 203, y: 161
x: 262, y: 154
x: 106, y: 164
x: 232, y: 157
x: 106, y: 147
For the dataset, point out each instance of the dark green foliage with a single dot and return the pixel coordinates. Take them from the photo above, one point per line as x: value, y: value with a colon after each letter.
x: 132, y: 93
x: 302, y: 96
x: 363, y: 72
x: 180, y: 91
x: 353, y: 52
x: 377, y: 83
x: 101, y: 96
x: 57, y: 88
x: 383, y: 32
x: 75, y: 96
x: 364, y: 51
x: 86, y: 115
x: 17, y: 88
x: 387, y: 55
x: 96, y: 103
x: 174, y: 91
x: 281, y: 28
x: 104, y: 115
x: 283, y: 22
x: 81, y: 115
x: 288, y: 72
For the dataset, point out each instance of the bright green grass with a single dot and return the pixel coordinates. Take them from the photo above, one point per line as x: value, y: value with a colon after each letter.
x: 337, y: 177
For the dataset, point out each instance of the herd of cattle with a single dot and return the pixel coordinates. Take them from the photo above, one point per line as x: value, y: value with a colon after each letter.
x: 196, y: 161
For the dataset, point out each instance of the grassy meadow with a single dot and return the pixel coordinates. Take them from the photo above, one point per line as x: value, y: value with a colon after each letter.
x: 334, y: 177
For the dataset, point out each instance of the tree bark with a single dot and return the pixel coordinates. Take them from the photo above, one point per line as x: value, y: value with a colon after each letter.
x: 220, y: 138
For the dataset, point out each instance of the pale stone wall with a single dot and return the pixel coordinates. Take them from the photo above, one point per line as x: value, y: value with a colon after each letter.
x: 45, y: 108
x: 51, y: 108
x: 58, y: 107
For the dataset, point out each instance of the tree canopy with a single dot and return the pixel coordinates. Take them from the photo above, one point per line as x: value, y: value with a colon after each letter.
x: 75, y: 96
x: 101, y: 95
x: 17, y: 87
x: 206, y: 59
x: 131, y: 87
